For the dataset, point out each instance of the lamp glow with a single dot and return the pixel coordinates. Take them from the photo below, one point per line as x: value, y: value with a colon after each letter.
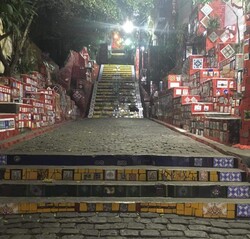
x: 128, y: 26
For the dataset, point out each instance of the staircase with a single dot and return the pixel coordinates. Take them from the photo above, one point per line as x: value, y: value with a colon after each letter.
x: 116, y: 93
x: 209, y: 187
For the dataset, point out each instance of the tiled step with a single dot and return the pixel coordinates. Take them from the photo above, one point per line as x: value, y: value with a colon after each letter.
x: 12, y: 188
x: 207, y: 208
x: 125, y: 173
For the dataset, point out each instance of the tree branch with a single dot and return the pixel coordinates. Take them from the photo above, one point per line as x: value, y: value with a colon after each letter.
x: 4, y: 35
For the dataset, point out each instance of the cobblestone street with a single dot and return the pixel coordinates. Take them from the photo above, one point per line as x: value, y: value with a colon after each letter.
x: 119, y: 226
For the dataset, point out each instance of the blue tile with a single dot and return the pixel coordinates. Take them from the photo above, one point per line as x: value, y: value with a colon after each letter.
x: 3, y: 159
x: 243, y: 210
x: 238, y: 192
x: 223, y: 162
x: 230, y: 177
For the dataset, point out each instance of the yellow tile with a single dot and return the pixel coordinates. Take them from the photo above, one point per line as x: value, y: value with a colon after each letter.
x: 99, y: 170
x: 115, y: 206
x: 99, y: 207
x: 91, y: 170
x: 198, y: 213
x: 200, y: 206
x: 54, y: 209
x: 172, y: 205
x: 142, y: 171
x: 51, y: 173
x: 195, y: 205
x: 33, y: 175
x: 168, y: 210
x: 152, y: 204
x: 70, y: 209
x: 33, y: 207
x: 128, y: 171
x: 187, y: 205
x: 160, y: 210
x: 7, y: 175
x: 142, y: 177
x: 22, y: 207
x: 144, y: 209
x: 231, y: 207
x: 77, y: 177
x: 180, y: 206
x: 231, y: 214
x: 180, y: 212
x: 188, y: 211
x: 152, y: 209
x: 132, y: 207
x: 83, y: 207
x: 135, y: 171
x: 46, y: 210
x: 144, y: 204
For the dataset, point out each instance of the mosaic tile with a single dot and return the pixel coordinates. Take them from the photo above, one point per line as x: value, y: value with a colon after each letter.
x: 68, y: 174
x: 133, y: 191
x: 183, y: 191
x: 109, y: 191
x: 42, y: 174
x: 87, y: 176
x: 166, y: 175
x: 97, y: 191
x: 107, y: 207
x: 214, y: 210
x: 91, y: 207
x: 213, y: 37
x: 198, y: 162
x: 8, y: 208
x: 160, y: 190
x: 205, y: 21
x: 122, y: 163
x: 230, y: 177
x: 3, y: 159
x: 2, y: 172
x: 110, y: 174
x: 132, y: 177
x: 16, y: 174
x: 35, y: 190
x: 227, y: 51
x: 123, y: 207
x: 243, y: 210
x: 197, y: 63
x: 97, y: 176
x: 206, y: 9
x: 152, y: 175
x: 224, y: 37
x: 83, y: 191
x: 238, y: 192
x: 203, y: 176
x: 99, y: 162
x: 223, y: 162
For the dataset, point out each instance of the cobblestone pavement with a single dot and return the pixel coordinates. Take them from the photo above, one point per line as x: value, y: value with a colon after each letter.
x: 118, y: 226
x: 114, y: 137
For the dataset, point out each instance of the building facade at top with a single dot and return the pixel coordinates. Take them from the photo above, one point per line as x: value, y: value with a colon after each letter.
x: 208, y: 90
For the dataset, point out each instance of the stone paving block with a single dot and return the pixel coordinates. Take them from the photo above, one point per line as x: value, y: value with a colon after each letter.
x: 47, y: 215
x: 160, y: 220
x: 72, y: 237
x: 238, y: 231
x: 192, y: 234
x: 51, y: 219
x: 127, y: 232
x: 167, y: 233
x: 149, y: 215
x: 156, y: 226
x: 136, y: 225
x: 235, y: 237
x: 53, y: 224
x: 30, y: 225
x: 51, y: 230
x: 216, y: 236
x: 200, y: 222
x: 68, y: 225
x: 43, y: 236
x: 89, y: 232
x: 216, y: 230
x: 143, y: 220
x: 37, y: 230
x: 198, y: 228
x: 107, y: 214
x: 20, y: 231
x: 220, y: 224
x: 109, y: 233
x: 85, y: 226
x: 119, y: 225
x: 67, y: 214
x: 176, y: 227
x: 21, y: 237
x: 14, y: 225
x: 149, y: 233
x: 96, y: 219
x: 5, y: 237
x: 243, y: 225
x: 103, y: 226
x: 133, y: 215
x: 179, y: 221
x: 69, y: 231
x: 114, y: 219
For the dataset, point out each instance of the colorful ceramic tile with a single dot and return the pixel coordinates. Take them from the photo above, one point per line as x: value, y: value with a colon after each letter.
x: 110, y: 174
x: 167, y: 175
x: 152, y: 175
x: 223, y: 162
x: 213, y: 37
x: 183, y: 191
x: 123, y: 207
x: 122, y: 163
x: 230, y: 177
x: 243, y: 210
x: 35, y: 191
x: 8, y: 208
x: 109, y: 191
x: 107, y: 207
x: 133, y: 191
x: 198, y: 162
x: 99, y: 162
x: 97, y: 176
x: 42, y: 174
x: 224, y: 36
x: 197, y: 63
x: 203, y: 176
x: 2, y: 172
x: 238, y: 192
x: 68, y: 174
x: 132, y: 176
x: 206, y: 9
x: 87, y: 176
x: 227, y: 51
x: 204, y: 21
x: 3, y: 159
x: 91, y: 207
x: 214, y: 209
x: 16, y: 174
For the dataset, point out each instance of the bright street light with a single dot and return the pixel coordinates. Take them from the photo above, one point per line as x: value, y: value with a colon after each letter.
x: 128, y: 26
